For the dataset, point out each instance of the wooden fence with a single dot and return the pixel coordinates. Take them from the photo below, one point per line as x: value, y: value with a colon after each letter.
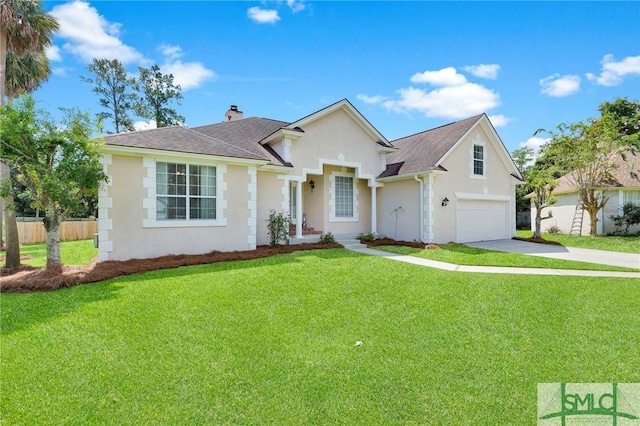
x: 33, y: 232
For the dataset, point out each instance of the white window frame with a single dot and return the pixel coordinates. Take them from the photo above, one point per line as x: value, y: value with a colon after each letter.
x: 332, y: 214
x: 630, y: 196
x: 477, y: 141
x: 150, y: 201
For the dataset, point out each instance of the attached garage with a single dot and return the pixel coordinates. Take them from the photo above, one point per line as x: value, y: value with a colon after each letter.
x: 482, y: 220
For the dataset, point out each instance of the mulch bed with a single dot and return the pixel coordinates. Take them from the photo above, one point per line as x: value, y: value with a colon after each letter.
x: 537, y: 240
x: 30, y: 279
x: 391, y: 242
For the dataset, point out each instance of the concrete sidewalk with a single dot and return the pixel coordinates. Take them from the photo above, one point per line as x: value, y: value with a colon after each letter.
x: 492, y: 269
x: 612, y: 258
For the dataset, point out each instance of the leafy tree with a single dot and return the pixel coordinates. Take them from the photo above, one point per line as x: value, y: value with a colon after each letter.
x: 113, y: 86
x: 589, y: 150
x: 626, y: 113
x: 24, y: 27
x: 523, y: 158
x: 541, y: 182
x: 157, y: 91
x: 57, y: 162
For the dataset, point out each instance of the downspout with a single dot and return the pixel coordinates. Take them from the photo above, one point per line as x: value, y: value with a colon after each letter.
x: 422, y: 239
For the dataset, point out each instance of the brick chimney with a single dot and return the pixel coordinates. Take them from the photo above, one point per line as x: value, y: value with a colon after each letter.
x: 233, y: 114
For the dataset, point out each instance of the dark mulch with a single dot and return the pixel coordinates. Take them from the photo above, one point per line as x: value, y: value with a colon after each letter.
x: 537, y: 240
x: 29, y: 279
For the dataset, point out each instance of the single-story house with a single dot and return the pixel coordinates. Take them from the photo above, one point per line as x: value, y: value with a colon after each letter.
x: 568, y: 216
x: 179, y: 190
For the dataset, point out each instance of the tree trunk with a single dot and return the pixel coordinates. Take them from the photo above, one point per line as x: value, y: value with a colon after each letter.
x: 538, y: 232
x: 52, y: 226
x: 11, y: 226
x: 593, y: 215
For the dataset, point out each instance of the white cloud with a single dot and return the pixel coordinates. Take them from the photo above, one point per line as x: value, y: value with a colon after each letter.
x: 444, y: 77
x: 89, y: 35
x: 263, y: 16
x: 489, y: 71
x: 296, y: 6
x: 614, y: 72
x: 447, y: 102
x: 559, y: 86
x: 145, y: 125
x: 371, y: 99
x: 170, y: 51
x: 535, y: 143
x: 53, y: 53
x: 499, y: 120
x: 189, y: 75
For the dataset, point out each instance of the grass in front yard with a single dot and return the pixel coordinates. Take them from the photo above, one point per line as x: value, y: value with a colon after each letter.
x: 74, y: 253
x: 272, y: 341
x: 461, y: 254
x: 613, y: 243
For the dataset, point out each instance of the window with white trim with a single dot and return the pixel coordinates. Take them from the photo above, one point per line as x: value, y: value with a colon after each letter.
x: 478, y: 160
x: 185, y: 191
x: 343, y: 194
x: 631, y: 197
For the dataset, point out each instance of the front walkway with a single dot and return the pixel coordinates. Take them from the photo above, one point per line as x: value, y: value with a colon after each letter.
x: 492, y: 269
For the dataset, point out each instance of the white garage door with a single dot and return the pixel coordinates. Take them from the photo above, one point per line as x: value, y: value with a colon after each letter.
x: 481, y: 220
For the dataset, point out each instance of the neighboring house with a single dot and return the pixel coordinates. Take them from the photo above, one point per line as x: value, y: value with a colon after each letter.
x: 179, y: 190
x: 567, y: 213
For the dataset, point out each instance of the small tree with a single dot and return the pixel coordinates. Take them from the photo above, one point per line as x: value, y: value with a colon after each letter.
x: 630, y: 216
x: 278, y: 227
x: 589, y: 150
x: 157, y: 91
x: 523, y: 158
x: 113, y: 86
x: 57, y: 162
x: 541, y: 183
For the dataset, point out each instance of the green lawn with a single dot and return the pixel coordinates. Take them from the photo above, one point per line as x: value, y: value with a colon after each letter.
x: 461, y: 254
x: 272, y: 341
x: 622, y: 244
x: 72, y: 252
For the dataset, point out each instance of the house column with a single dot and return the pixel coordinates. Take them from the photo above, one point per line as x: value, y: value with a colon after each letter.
x: 374, y: 211
x: 298, y: 209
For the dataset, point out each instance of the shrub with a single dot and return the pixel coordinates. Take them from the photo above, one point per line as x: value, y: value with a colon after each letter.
x: 327, y: 238
x: 630, y: 216
x: 278, y: 227
x: 554, y: 230
x: 367, y: 237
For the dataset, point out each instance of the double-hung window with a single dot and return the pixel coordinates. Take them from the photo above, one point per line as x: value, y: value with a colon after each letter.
x: 185, y: 191
x: 344, y: 196
x: 478, y: 160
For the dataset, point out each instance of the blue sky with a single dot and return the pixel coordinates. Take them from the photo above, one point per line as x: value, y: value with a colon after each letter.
x: 407, y: 66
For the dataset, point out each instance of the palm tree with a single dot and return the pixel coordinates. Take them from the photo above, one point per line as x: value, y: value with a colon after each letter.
x: 24, y: 27
x: 25, y: 73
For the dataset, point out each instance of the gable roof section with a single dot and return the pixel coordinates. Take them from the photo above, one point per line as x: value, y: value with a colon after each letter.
x: 346, y: 106
x: 621, y: 176
x: 179, y: 139
x: 427, y: 150
x: 423, y: 151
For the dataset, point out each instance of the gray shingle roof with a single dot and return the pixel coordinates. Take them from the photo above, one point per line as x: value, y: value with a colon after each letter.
x: 246, y: 134
x: 422, y: 151
x: 179, y: 139
x: 235, y: 139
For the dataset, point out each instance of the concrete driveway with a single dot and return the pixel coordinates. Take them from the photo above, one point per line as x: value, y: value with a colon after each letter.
x: 613, y: 258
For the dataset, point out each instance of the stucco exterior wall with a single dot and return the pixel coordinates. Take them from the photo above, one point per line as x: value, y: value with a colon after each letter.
x: 405, y: 194
x: 130, y: 238
x: 270, y: 196
x: 460, y: 183
x: 564, y: 210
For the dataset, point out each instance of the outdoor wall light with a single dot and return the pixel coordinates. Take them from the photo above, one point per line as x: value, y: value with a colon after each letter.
x: 312, y: 184
x: 445, y: 201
